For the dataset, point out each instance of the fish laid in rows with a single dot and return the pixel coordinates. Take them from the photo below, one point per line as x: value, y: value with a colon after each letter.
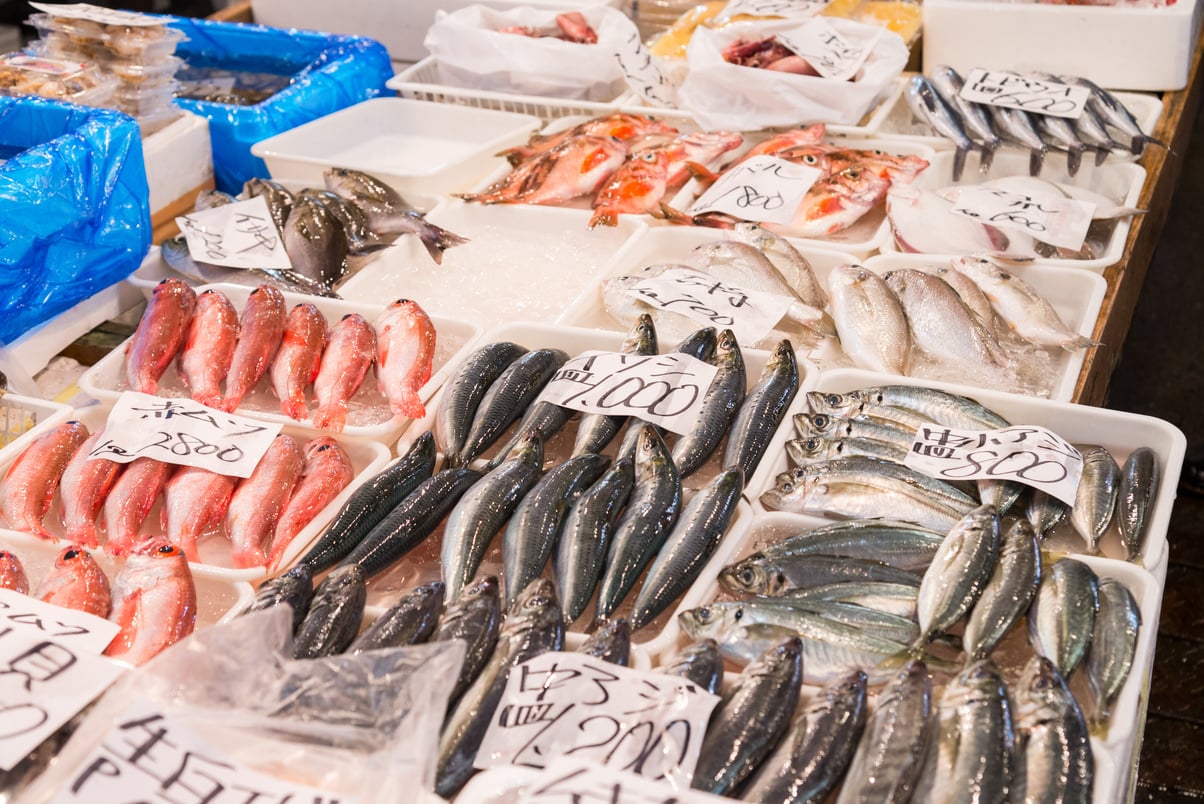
x: 28, y: 487
x: 405, y: 340
x: 209, y: 348
x: 259, y: 501
x: 350, y: 352
x: 160, y: 334
x: 260, y: 331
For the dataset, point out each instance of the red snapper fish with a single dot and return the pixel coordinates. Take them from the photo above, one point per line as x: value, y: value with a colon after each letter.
x: 259, y: 332
x: 160, y: 334
x: 259, y: 500
x: 345, y: 362
x: 620, y: 125
x: 893, y: 168
x: 76, y: 581
x: 28, y: 486
x: 405, y: 352
x: 194, y: 501
x: 296, y: 364
x: 572, y: 169
x: 835, y: 203
x: 209, y: 348
x: 154, y: 602
x: 12, y: 574
x: 86, y: 483
x: 327, y: 472
x: 130, y: 501
x: 809, y: 135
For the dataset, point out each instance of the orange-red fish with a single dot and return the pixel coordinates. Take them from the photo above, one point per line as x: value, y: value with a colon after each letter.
x: 809, y: 135
x: 620, y: 125
x: 405, y: 352
x: 296, y: 364
x: 160, y: 334
x: 154, y: 602
x: 194, y: 501
x: 835, y: 203
x: 259, y: 332
x: 209, y: 348
x: 86, y: 482
x: 259, y: 500
x: 12, y: 574
x: 893, y: 168
x: 574, y: 168
x: 28, y: 486
x: 327, y: 472
x: 130, y: 501
x: 77, y: 582
x: 345, y: 363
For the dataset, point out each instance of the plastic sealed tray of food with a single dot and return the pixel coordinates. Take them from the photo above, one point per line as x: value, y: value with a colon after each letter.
x: 75, y: 82
x: 141, y: 101
x: 130, y: 72
x: 117, y: 34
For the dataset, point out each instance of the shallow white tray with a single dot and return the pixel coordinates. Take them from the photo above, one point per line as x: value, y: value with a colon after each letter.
x: 368, y: 414
x: 24, y: 418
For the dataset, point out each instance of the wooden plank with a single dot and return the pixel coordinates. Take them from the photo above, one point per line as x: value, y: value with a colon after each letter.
x: 163, y: 222
x: 235, y: 12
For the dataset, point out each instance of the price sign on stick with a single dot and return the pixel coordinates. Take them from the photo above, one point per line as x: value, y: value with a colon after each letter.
x: 833, y: 54
x: 707, y: 301
x: 1029, y: 94
x: 238, y: 235
x: 1048, y: 217
x: 1026, y: 454
x: 184, y: 432
x: 642, y: 74
x: 569, y: 780
x: 767, y: 189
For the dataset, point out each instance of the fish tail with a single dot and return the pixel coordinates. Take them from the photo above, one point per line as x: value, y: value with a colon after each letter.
x: 331, y: 417
x: 702, y: 173
x: 294, y: 406
x: 85, y: 534
x: 959, y: 162
x: 988, y: 156
x: 1036, y: 158
x: 1081, y: 342
x: 514, y: 155
x: 603, y: 217
x: 210, y: 399
x: 1142, y: 140
x: 248, y: 557
x: 409, y: 406
x: 437, y: 240
x: 1074, y: 160
x: 673, y: 215
x: 1101, y: 153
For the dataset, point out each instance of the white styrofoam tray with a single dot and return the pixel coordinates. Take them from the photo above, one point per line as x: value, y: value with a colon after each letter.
x: 1121, y: 182
x: 367, y: 458
x: 24, y: 418
x: 1120, y: 433
x: 368, y: 413
x: 179, y: 158
x: 412, y: 145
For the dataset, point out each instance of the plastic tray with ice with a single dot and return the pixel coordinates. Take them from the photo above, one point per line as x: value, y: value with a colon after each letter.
x: 368, y: 413
x: 24, y: 418
x: 1119, y: 182
x: 1075, y: 295
x: 1120, y: 433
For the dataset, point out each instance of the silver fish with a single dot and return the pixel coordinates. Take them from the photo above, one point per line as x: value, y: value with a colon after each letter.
x: 932, y: 404
x: 1045, y: 512
x: 718, y: 408
x: 899, y: 544
x: 888, y: 625
x: 803, y: 451
x: 698, y: 662
x: 1106, y: 105
x: 541, y: 417
x: 859, y: 469
x: 1008, y: 594
x: 1092, y: 129
x: 928, y: 105
x: 791, y: 264
x: 1062, y: 616
x: 1056, y: 763
x: 971, y: 294
x: 1059, y: 133
x: 315, y: 242
x: 895, y: 598
x: 869, y: 320
x: 1018, y: 126
x: 975, y: 119
x: 463, y: 392
x: 959, y: 572
x: 611, y: 642
x: 1135, y: 497
x: 761, y: 574
x: 825, y: 424
x: 1095, y: 500
x: 596, y: 430
x: 1000, y: 494
x: 1113, y: 645
x: 762, y: 411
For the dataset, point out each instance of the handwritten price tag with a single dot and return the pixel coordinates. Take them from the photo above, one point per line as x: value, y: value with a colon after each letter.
x: 183, y: 432
x: 105, y: 16
x: 643, y: 76
x: 49, y: 670
x: 238, y: 235
x: 148, y: 756
x: 1000, y: 88
x: 787, y: 9
x: 833, y: 54
x: 661, y: 389
x: 1027, y: 454
x: 570, y: 704
x: 568, y: 780
x: 701, y: 298
x: 1050, y: 218
x: 767, y: 189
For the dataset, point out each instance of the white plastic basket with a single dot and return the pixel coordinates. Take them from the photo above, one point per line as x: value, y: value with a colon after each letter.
x: 24, y: 418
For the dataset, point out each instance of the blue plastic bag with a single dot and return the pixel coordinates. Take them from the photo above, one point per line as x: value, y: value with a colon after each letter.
x: 328, y: 72
x: 74, y: 208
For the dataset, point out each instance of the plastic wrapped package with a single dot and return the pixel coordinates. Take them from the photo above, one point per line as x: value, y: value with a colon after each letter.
x: 328, y: 73
x: 76, y: 82
x: 74, y: 214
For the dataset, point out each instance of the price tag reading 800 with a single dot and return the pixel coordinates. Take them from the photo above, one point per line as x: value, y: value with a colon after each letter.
x: 1053, y: 219
x: 767, y: 189
x: 1026, y: 454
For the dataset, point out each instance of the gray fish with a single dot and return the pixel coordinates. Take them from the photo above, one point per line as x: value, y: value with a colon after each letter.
x: 817, y: 449
x: 762, y: 411
x: 294, y: 588
x: 506, y: 399
x: 210, y: 199
x: 1045, y: 512
x: 1135, y: 497
x: 465, y: 389
x: 898, y: 544
x: 959, y: 572
x: 174, y: 252
x: 409, y: 621
x: 942, y: 407
x: 889, y: 756
x: 1106, y: 105
x: 596, y: 430
x: 1062, y: 616
x: 1008, y: 594
x: 811, y: 760
x: 895, y: 598
x: 1056, y: 763
x: 718, y: 408
x: 474, y: 617
x: 588, y: 527
x: 750, y: 720
x: 1113, y: 645
x: 694, y: 537
x: 1059, y: 133
x: 895, y: 627
x: 698, y: 662
x: 700, y: 344
x: 535, y: 526
x: 544, y: 419
x: 533, y: 627
x: 279, y: 199
x: 1092, y: 130
x: 1095, y: 501
x: 315, y: 242
x: 652, y: 509
x: 360, y: 239
x: 825, y: 424
x: 928, y: 105
x: 761, y: 574
x: 611, y: 642
x: 791, y: 264
x: 975, y: 119
x: 1000, y: 494
x: 1018, y: 127
x: 334, y: 615
x: 483, y: 509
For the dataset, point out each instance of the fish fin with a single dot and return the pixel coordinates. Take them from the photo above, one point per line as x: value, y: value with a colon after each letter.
x: 128, y: 623
x: 603, y: 218
x: 515, y: 155
x: 437, y: 240
x: 1074, y: 160
x: 959, y: 162
x: 1081, y: 342
x: 331, y: 417
x: 294, y: 406
x: 1036, y: 158
x: 673, y: 215
x: 988, y: 156
x: 702, y: 172
x: 1141, y: 141
x: 410, y: 406
x: 1101, y: 154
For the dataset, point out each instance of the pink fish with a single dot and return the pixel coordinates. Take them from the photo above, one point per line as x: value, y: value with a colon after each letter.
x: 345, y: 362
x: 194, y: 501
x: 12, y: 574
x: 130, y: 501
x: 28, y: 486
x: 259, y: 332
x: 209, y: 348
x: 574, y: 168
x: 259, y: 500
x: 327, y: 472
x: 575, y: 28
x: 296, y: 364
x: 160, y: 334
x: 154, y: 602
x: 620, y: 125
x: 86, y: 483
x: 77, y: 582
x: 405, y: 351
x: 834, y: 204
x: 810, y: 135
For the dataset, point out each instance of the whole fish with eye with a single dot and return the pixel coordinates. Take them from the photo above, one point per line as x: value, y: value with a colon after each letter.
x: 975, y: 119
x: 387, y: 212
x: 572, y: 169
x: 360, y: 239
x: 260, y: 331
x: 160, y: 334
x: 835, y: 203
x: 620, y: 126
x: 928, y: 105
x: 154, y: 602
x: 334, y: 615
x: 405, y: 351
x: 315, y: 242
x: 76, y: 581
x: 278, y: 199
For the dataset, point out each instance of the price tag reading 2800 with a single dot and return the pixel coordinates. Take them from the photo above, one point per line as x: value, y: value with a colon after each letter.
x: 764, y: 188
x: 661, y: 389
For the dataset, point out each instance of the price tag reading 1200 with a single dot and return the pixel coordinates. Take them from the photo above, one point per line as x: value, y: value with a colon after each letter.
x: 184, y: 432
x: 661, y: 389
x: 1026, y: 454
x: 764, y: 188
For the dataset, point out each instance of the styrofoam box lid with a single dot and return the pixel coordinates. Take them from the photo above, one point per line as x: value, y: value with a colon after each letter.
x: 368, y: 414
x: 24, y: 418
x: 412, y: 145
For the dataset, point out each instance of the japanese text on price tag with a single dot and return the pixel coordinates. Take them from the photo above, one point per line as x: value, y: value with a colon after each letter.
x: 148, y: 756
x: 833, y: 54
x: 105, y: 16
x: 238, y: 235
x: 183, y: 432
x: 643, y: 76
x: 702, y: 298
x: 767, y: 189
x: 1050, y: 218
x: 649, y: 724
x: 787, y: 9
x: 1026, y: 454
x: 661, y: 389
x: 1000, y: 88
x: 569, y: 780
x: 77, y: 629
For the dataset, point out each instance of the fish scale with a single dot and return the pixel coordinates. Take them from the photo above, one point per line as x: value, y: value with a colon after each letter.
x: 761, y: 412
x: 334, y: 614
x: 718, y: 408
x: 1113, y: 645
x: 474, y: 618
x: 1055, y: 746
x: 698, y: 662
x: 463, y: 392
x: 409, y: 621
x: 588, y: 528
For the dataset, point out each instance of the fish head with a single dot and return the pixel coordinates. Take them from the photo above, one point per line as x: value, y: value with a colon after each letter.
x: 319, y: 445
x: 727, y: 348
x: 978, y: 681
x: 529, y: 448
x: 355, y: 184
x: 430, y: 591
x: 789, y: 494
x: 712, y: 620
x: 210, y: 199
x: 340, y: 578
x: 852, y: 684
x: 859, y: 184
x: 813, y: 448
x: 701, y: 343
x: 1041, y: 695
x: 642, y: 338
x: 625, y: 126
x: 974, y: 266
x: 784, y: 657
x: 832, y: 405
x: 535, y: 608
x: 486, y: 586
x: 650, y: 447
x: 782, y: 357
x: 815, y: 156
x: 69, y: 557
x: 753, y: 575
